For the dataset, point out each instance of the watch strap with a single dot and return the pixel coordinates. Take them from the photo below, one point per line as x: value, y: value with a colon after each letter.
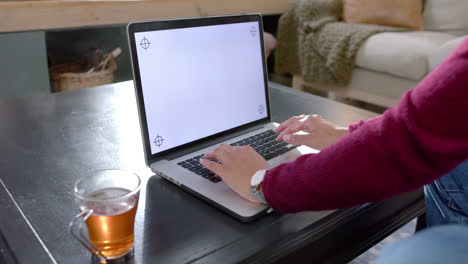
x: 259, y: 196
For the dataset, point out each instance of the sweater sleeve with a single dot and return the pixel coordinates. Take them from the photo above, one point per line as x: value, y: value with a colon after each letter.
x: 353, y: 127
x: 422, y: 138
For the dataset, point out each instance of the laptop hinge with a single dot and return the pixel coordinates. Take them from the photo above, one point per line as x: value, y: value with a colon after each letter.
x: 210, y: 143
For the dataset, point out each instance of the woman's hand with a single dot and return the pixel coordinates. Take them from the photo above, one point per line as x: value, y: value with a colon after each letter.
x: 320, y: 133
x: 236, y: 166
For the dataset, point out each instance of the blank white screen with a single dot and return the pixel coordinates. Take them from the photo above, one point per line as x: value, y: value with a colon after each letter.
x: 200, y: 81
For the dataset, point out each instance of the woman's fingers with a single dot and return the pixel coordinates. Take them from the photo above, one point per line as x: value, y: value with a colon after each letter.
x: 287, y: 123
x: 219, y: 153
x: 298, y: 139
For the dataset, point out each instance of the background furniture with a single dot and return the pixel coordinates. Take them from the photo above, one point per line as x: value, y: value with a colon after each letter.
x: 58, y: 14
x: 23, y: 64
x: 49, y: 141
x: 390, y: 63
x: 67, y: 30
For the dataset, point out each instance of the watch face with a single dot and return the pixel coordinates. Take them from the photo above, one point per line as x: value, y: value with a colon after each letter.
x: 257, y: 178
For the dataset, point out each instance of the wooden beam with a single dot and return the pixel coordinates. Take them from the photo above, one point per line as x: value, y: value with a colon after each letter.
x: 43, y: 15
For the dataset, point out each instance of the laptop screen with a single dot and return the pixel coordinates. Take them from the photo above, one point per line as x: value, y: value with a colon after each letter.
x: 200, y: 81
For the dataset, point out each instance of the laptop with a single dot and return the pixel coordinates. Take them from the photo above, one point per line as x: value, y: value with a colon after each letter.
x: 201, y: 82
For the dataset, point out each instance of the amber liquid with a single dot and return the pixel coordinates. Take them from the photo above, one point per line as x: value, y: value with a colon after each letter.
x: 110, y: 227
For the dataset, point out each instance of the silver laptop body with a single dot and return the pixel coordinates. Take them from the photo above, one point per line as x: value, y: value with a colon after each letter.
x: 201, y: 82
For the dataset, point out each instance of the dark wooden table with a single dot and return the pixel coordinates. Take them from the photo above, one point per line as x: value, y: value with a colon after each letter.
x: 47, y: 142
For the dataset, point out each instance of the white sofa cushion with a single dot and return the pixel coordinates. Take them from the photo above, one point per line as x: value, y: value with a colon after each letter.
x: 446, y: 15
x: 403, y: 54
x: 367, y: 86
x: 380, y: 83
x: 441, y: 53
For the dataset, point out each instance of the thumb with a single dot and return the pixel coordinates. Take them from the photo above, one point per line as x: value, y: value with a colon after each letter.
x: 296, y: 139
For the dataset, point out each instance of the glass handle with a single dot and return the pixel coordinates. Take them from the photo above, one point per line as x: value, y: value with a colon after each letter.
x: 77, y: 232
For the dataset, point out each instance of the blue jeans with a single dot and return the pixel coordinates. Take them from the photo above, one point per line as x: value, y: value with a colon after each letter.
x: 446, y: 244
x: 446, y: 238
x: 447, y: 198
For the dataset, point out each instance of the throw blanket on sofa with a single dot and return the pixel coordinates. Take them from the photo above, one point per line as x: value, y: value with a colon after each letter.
x: 313, y: 43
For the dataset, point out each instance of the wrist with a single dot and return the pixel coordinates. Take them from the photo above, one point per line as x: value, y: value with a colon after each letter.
x: 341, y: 132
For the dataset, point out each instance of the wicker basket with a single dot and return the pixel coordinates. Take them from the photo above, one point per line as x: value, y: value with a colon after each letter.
x: 75, y: 75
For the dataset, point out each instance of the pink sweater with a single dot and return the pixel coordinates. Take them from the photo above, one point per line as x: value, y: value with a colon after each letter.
x: 421, y: 139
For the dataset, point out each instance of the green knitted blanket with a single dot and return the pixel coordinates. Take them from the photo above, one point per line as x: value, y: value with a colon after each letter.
x: 314, y: 44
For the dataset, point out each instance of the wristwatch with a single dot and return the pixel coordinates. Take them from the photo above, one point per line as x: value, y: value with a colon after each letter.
x: 255, y: 182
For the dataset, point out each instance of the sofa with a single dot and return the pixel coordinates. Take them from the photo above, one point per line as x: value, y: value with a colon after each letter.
x: 390, y: 63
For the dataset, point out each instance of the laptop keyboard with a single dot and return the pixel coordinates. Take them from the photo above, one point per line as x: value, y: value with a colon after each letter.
x: 264, y: 143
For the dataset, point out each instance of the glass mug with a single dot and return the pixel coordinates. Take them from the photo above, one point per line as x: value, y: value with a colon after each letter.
x: 108, y: 200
